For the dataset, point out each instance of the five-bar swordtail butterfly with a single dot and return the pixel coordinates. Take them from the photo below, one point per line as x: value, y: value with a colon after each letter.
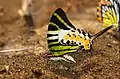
x: 64, y: 38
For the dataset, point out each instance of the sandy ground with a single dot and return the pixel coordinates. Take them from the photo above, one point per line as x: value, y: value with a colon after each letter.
x: 103, y: 62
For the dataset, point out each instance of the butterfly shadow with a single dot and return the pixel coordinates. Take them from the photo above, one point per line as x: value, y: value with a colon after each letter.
x: 74, y: 70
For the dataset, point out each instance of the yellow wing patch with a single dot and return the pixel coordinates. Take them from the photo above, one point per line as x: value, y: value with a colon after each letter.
x: 106, y: 13
x: 79, y: 40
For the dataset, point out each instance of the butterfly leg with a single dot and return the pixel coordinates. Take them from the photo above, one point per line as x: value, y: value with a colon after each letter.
x: 59, y: 59
x: 65, y: 57
x: 68, y: 57
x: 54, y: 58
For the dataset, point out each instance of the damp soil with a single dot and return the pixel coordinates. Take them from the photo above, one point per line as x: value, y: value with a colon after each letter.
x: 102, y: 62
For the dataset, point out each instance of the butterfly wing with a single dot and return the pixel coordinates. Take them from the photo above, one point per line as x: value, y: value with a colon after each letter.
x: 108, y: 12
x: 58, y: 27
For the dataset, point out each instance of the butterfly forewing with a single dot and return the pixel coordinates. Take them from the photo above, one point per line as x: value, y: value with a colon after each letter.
x: 59, y: 26
x: 108, y: 12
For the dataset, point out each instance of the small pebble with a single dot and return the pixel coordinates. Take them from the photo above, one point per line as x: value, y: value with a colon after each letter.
x: 115, y: 42
x: 73, y: 73
x: 117, y: 35
x: 62, y: 67
x: 109, y: 45
x: 4, y: 68
x: 2, y: 44
x: 1, y: 10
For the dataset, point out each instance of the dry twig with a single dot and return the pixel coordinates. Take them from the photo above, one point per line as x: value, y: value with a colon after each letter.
x: 14, y: 50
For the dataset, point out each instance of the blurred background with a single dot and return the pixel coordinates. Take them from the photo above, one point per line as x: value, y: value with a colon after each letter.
x: 82, y: 14
x: 79, y: 11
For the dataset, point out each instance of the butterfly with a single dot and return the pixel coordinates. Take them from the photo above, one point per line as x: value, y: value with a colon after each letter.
x: 108, y: 13
x: 64, y: 38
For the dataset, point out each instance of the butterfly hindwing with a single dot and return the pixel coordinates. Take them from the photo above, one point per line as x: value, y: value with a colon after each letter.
x: 108, y: 12
x: 58, y: 27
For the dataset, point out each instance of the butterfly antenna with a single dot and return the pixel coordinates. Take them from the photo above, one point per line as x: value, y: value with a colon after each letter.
x: 101, y: 32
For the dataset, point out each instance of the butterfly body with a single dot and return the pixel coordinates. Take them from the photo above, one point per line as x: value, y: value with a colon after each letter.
x: 64, y: 38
